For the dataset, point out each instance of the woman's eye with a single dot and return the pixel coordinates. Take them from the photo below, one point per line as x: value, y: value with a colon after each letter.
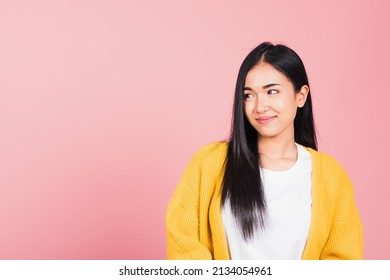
x: 247, y: 95
x: 272, y: 91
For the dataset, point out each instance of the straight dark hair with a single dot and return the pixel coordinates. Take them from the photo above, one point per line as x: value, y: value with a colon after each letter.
x: 242, y: 186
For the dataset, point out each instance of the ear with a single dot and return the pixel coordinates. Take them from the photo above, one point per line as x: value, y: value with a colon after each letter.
x: 301, y: 96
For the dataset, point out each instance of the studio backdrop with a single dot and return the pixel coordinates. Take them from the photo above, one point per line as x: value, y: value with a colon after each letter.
x: 103, y: 104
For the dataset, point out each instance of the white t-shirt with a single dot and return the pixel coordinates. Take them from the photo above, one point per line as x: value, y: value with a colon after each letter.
x: 288, y: 196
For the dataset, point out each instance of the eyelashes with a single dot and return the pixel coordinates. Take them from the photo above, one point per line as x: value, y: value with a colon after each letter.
x: 269, y: 92
x: 248, y: 95
x: 272, y: 91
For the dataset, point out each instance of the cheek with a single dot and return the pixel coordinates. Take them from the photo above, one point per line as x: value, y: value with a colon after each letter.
x: 287, y: 105
x: 290, y: 110
x: 248, y: 108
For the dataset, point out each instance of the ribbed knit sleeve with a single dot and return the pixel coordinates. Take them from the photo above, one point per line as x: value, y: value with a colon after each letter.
x: 182, y: 217
x: 345, y: 240
x: 188, y: 217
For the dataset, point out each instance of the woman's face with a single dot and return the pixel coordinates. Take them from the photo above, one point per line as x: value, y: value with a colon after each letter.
x: 271, y: 102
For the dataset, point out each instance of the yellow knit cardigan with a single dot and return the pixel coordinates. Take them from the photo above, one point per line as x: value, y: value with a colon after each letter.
x: 194, y: 223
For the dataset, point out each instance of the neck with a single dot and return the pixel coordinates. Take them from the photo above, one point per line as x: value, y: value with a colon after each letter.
x: 277, y: 153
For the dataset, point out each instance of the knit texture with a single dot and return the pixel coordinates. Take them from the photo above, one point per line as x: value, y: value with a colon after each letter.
x: 194, y: 222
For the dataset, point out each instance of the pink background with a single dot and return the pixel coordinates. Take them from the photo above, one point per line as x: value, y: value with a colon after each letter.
x: 103, y: 103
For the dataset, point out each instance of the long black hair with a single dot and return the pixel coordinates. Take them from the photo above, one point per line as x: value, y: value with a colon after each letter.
x: 242, y: 185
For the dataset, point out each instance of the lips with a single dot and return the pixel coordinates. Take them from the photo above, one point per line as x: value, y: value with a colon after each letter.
x: 264, y: 120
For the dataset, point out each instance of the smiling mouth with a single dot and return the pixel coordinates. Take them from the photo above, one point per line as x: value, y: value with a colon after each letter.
x: 265, y: 119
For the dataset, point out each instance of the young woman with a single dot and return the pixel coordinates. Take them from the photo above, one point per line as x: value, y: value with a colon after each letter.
x: 267, y: 193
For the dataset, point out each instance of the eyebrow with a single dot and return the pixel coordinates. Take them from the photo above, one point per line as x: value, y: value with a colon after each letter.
x: 264, y: 87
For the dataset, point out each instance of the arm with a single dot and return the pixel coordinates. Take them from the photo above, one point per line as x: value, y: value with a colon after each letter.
x: 182, y: 219
x: 345, y: 241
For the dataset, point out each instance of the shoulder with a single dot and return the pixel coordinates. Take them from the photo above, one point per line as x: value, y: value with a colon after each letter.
x: 324, y: 161
x: 329, y: 175
x: 215, y: 151
x: 209, y: 159
x: 213, y: 148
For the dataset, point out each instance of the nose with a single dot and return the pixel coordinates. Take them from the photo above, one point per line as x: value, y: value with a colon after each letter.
x: 262, y: 105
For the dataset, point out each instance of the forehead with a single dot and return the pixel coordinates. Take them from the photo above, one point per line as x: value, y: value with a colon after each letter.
x: 264, y: 74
